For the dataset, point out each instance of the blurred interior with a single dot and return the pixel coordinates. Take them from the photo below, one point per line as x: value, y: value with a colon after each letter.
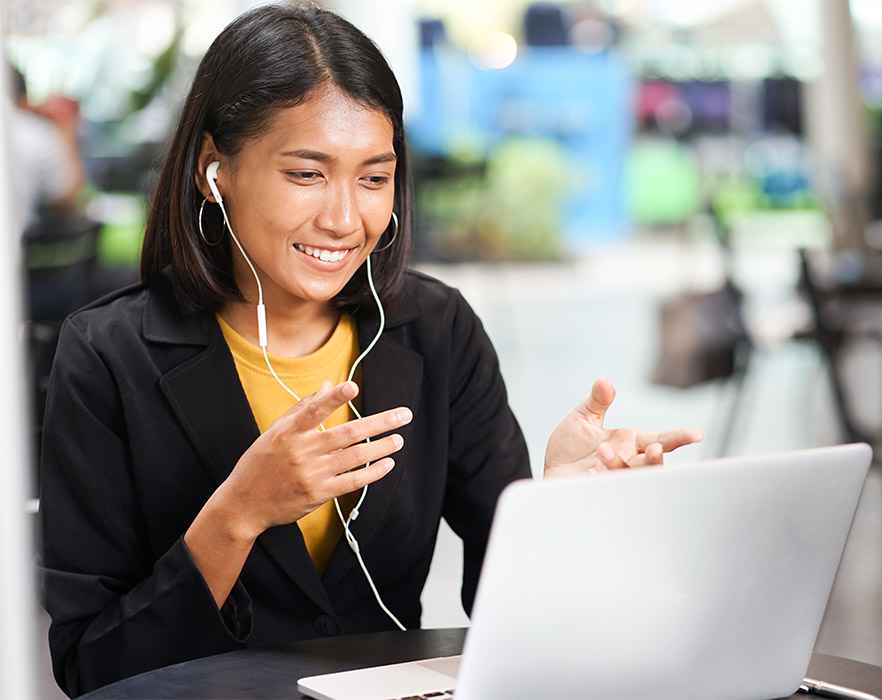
x: 683, y: 196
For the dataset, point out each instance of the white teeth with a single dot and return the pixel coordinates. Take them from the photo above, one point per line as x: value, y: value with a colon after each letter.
x: 321, y: 253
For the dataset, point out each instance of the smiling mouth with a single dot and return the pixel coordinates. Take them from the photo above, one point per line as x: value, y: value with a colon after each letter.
x: 323, y: 253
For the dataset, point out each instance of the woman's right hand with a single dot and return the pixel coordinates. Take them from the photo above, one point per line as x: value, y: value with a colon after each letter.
x: 294, y: 466
x: 289, y: 471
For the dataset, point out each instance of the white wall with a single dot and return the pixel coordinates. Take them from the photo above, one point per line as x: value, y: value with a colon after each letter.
x: 17, y: 677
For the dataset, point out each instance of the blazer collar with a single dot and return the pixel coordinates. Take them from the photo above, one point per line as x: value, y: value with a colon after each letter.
x: 164, y: 321
x: 401, y: 310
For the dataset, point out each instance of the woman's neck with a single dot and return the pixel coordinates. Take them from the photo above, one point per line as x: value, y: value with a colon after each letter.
x: 293, y: 332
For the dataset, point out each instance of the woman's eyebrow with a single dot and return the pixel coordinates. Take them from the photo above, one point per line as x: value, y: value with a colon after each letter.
x: 306, y: 154
x: 384, y: 158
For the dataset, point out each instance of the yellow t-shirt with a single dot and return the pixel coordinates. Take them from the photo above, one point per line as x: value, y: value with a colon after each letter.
x: 303, y: 375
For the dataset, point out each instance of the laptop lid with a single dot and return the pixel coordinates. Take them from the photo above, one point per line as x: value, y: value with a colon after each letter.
x: 689, y: 581
x: 696, y: 580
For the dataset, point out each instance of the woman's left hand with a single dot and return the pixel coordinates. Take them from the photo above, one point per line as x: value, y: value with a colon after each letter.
x: 580, y: 444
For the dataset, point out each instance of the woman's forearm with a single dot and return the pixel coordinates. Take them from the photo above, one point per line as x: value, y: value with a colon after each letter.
x: 219, y: 542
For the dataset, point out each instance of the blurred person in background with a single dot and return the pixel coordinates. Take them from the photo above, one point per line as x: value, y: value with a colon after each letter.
x: 191, y: 502
x: 48, y: 170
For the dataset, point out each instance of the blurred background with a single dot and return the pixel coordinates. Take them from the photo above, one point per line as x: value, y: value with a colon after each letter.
x: 683, y: 196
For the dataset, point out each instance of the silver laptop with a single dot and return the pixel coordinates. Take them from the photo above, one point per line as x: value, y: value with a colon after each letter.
x: 702, y: 580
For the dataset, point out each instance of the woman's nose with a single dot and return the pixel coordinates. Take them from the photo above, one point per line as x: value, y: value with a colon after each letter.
x: 340, y: 213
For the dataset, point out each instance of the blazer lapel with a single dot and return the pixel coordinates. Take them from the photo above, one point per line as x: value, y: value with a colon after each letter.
x: 391, y: 377
x: 218, y: 420
x: 220, y: 424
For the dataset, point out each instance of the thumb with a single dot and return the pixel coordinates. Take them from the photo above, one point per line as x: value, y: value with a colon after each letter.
x: 594, y: 408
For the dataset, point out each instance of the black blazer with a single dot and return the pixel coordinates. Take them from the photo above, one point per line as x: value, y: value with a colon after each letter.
x: 146, y: 417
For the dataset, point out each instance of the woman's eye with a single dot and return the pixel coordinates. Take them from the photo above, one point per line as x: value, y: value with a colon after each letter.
x: 303, y: 175
x: 377, y: 180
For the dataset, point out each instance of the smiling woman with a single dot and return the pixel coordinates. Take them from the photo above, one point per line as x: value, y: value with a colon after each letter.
x: 191, y: 502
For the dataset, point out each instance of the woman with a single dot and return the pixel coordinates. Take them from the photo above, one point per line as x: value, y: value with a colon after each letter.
x: 191, y: 503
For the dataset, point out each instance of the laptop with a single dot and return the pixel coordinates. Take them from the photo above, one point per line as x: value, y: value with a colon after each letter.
x: 699, y: 580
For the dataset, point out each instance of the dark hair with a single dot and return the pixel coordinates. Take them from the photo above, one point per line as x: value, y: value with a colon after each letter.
x: 268, y: 58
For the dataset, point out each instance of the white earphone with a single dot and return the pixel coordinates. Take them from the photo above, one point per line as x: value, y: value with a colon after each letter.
x: 211, y: 176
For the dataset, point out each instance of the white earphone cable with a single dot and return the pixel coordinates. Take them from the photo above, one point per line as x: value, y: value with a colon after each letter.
x: 350, y: 538
x: 263, y: 342
x: 220, y: 201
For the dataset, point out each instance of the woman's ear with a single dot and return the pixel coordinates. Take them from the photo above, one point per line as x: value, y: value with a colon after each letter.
x: 207, y: 155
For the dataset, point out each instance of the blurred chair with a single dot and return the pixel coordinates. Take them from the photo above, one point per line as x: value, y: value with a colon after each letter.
x: 60, y: 254
x: 846, y: 307
x: 704, y: 338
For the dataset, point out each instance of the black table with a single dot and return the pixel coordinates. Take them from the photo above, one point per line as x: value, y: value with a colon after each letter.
x: 273, y: 673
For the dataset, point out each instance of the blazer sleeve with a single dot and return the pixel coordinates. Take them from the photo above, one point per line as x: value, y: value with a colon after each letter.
x: 117, y: 607
x: 487, y: 447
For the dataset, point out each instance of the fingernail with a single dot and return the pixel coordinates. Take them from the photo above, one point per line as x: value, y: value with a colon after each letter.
x: 389, y: 464
x: 404, y: 415
x: 398, y: 441
x: 604, y: 452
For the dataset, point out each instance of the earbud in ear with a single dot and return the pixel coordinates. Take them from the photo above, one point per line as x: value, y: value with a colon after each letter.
x: 211, y: 176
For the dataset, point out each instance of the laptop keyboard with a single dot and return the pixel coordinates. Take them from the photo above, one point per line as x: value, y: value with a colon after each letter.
x: 438, y: 695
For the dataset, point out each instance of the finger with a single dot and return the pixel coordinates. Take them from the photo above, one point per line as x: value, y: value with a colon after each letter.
x: 309, y: 413
x: 358, y: 479
x: 359, y: 430
x: 362, y: 453
x: 653, y: 455
x: 596, y: 405
x: 609, y: 457
x: 669, y: 439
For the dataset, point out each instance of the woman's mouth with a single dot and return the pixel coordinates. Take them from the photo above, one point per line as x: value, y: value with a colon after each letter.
x: 323, y: 254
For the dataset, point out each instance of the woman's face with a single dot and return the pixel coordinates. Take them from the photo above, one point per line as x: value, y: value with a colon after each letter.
x: 310, y: 198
